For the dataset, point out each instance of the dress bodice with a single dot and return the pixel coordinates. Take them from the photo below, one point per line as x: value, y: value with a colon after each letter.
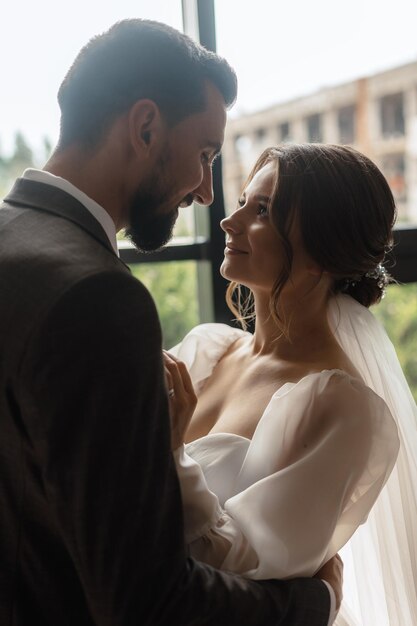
x: 297, y: 490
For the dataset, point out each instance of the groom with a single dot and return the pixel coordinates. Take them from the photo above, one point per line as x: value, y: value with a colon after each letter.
x: 90, y: 513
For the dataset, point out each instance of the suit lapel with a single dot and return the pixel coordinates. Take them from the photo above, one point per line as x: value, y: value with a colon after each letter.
x: 42, y: 197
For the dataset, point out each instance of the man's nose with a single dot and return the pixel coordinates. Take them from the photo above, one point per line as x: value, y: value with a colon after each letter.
x: 204, y: 193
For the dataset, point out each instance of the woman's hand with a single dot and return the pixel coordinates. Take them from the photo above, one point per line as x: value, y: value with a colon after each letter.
x: 182, y: 398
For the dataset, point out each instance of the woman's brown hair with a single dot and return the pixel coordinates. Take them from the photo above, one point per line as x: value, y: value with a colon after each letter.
x: 345, y: 210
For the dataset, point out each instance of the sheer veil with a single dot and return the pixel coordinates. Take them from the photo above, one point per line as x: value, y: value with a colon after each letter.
x: 381, y: 559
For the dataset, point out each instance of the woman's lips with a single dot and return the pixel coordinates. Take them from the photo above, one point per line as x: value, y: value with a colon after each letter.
x: 233, y: 250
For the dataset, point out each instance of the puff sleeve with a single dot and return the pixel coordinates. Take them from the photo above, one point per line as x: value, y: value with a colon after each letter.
x: 321, y: 454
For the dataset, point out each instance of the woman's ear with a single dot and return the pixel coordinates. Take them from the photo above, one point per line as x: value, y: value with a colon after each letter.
x: 314, y: 269
x: 145, y: 126
x: 311, y: 265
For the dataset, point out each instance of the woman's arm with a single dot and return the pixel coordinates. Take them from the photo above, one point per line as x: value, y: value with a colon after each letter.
x: 316, y: 464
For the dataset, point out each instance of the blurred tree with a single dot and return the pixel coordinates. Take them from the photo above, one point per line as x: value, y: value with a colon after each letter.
x: 22, y: 156
x: 174, y: 289
x: 47, y: 148
x: 13, y: 166
x: 398, y: 313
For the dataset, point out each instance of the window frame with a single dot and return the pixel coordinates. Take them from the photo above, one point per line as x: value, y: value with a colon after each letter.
x: 402, y: 262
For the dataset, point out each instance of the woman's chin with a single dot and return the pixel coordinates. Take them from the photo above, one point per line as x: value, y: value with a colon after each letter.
x: 224, y: 271
x: 229, y: 271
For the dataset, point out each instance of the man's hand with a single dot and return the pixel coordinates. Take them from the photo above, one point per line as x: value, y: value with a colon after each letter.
x: 332, y: 573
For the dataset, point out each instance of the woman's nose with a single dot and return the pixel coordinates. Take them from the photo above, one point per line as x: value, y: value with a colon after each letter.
x: 231, y: 224
x: 225, y: 224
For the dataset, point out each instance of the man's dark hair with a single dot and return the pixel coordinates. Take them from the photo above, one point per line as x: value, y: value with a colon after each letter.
x: 137, y: 59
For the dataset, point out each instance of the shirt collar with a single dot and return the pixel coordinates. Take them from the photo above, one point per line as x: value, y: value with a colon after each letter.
x: 95, y: 209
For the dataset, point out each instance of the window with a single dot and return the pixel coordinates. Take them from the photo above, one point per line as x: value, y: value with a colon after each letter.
x: 67, y: 28
x: 284, y: 132
x: 243, y: 145
x: 392, y: 116
x: 314, y: 132
x: 393, y: 167
x: 260, y: 134
x: 346, y: 124
x: 174, y: 287
x: 27, y: 134
x: 39, y: 123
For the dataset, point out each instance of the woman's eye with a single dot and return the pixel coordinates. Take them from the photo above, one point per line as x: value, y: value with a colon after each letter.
x: 240, y: 202
x: 262, y: 209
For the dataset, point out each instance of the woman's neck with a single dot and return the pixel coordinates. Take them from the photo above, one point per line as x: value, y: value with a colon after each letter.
x: 307, y: 331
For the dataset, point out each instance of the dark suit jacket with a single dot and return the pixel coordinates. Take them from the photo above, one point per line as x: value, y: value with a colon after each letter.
x: 90, y: 512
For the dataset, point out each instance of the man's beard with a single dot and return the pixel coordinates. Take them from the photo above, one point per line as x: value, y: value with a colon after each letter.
x: 149, y: 230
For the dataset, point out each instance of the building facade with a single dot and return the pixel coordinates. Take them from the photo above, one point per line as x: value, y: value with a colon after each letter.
x: 375, y: 114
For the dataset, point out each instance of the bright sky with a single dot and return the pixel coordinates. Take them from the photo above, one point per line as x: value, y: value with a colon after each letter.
x: 279, y: 49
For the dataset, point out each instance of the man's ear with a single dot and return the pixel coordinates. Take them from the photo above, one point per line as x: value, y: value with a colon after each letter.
x: 145, y: 126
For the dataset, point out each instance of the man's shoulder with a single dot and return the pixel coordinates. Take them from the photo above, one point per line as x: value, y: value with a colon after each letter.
x: 46, y: 260
x: 43, y: 216
x: 51, y: 245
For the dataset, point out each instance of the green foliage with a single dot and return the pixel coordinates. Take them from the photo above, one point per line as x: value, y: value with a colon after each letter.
x: 398, y: 313
x: 22, y: 155
x: 174, y: 289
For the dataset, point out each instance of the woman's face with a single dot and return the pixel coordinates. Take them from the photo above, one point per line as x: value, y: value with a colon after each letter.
x: 253, y: 255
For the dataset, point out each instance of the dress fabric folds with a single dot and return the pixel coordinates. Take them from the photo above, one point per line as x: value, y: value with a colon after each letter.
x: 280, y: 505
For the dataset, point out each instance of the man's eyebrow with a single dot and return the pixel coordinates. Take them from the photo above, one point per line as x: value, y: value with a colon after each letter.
x: 215, y: 145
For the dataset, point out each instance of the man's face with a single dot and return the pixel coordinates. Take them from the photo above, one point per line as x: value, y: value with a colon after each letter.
x: 182, y: 174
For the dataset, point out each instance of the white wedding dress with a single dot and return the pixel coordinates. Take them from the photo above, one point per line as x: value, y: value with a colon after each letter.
x: 280, y: 505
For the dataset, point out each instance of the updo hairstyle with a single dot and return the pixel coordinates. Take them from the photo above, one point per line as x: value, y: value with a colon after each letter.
x: 345, y: 210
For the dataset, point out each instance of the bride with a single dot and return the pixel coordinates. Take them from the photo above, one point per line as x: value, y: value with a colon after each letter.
x: 297, y: 426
